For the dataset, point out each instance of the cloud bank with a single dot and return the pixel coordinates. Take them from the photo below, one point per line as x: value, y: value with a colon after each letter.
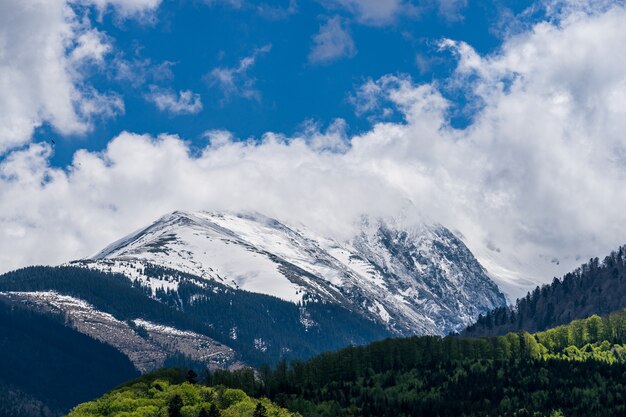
x: 534, y: 183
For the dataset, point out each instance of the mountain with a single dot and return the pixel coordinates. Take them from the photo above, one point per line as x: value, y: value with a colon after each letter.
x: 593, y: 288
x: 221, y: 290
x: 147, y: 344
x: 421, y: 280
x: 112, y: 327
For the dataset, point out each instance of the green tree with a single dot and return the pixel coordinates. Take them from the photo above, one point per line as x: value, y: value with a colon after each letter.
x: 192, y: 377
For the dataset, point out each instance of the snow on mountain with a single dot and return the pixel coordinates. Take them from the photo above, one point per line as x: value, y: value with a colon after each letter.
x: 421, y: 280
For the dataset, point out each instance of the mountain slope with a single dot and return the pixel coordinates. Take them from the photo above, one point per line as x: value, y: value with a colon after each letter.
x: 147, y: 344
x: 227, y: 325
x: 416, y: 281
x: 593, y: 288
x: 47, y: 367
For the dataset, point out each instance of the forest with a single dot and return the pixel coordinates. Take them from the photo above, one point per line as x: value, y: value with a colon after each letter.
x: 577, y: 369
x: 596, y: 287
x: 573, y: 370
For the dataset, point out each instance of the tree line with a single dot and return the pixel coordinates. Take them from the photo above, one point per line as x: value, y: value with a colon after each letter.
x: 572, y: 370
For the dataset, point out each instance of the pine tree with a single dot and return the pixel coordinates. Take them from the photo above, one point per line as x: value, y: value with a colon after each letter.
x: 174, y: 406
x: 214, y: 411
x: 260, y: 411
x: 192, y: 377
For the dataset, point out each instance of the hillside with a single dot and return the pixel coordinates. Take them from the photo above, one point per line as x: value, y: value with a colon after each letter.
x: 593, y: 288
x: 231, y: 325
x: 572, y: 370
x: 48, y: 367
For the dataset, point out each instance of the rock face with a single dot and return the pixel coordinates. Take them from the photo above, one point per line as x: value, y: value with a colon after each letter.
x: 421, y: 280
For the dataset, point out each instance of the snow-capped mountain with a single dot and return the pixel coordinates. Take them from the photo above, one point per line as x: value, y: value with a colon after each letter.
x: 421, y: 280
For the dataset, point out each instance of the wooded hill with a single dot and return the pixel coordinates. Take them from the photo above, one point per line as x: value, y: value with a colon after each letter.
x: 577, y: 369
x: 597, y: 287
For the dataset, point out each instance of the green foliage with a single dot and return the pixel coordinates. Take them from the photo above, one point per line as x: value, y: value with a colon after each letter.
x: 213, y: 411
x: 572, y: 370
x: 260, y: 410
x: 192, y: 377
x: 160, y: 398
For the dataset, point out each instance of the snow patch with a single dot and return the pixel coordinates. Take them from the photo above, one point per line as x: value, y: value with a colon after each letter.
x: 260, y: 344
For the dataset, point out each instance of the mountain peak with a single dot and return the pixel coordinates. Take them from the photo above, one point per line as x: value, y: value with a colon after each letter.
x: 419, y: 279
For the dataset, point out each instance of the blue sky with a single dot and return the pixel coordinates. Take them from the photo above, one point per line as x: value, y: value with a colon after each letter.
x: 178, y: 46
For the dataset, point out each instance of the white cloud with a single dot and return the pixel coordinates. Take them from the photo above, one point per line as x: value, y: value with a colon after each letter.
x: 567, y: 8
x: 369, y: 97
x: 92, y: 46
x: 138, y: 71
x: 332, y: 42
x: 387, y: 12
x: 271, y: 11
x: 104, y: 195
x: 538, y: 174
x: 268, y: 10
x: 373, y: 12
x: 185, y: 102
x: 235, y: 81
x: 44, y: 47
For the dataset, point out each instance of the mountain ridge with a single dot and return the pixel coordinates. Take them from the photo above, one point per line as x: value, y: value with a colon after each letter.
x: 414, y: 281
